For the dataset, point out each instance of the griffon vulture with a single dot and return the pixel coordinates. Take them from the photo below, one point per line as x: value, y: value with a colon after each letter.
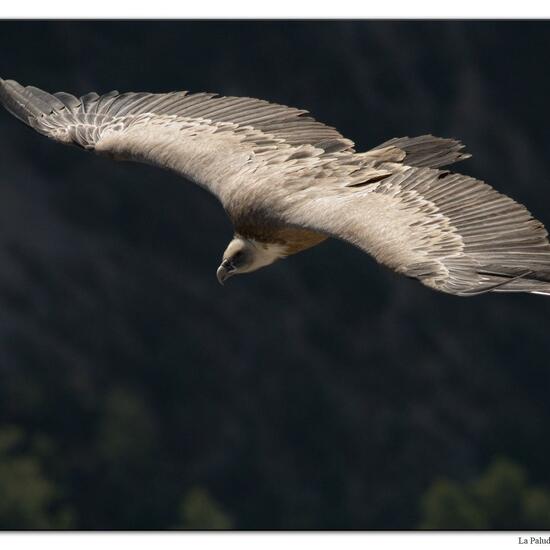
x: 288, y: 182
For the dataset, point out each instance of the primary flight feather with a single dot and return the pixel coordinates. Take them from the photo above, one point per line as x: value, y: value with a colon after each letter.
x: 287, y: 182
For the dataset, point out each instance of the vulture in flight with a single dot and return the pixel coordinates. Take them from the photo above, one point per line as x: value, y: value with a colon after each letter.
x: 288, y: 182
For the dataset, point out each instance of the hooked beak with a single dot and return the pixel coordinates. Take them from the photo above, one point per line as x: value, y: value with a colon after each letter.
x: 225, y: 271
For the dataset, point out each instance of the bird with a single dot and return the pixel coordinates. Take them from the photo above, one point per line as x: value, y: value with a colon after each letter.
x: 289, y: 182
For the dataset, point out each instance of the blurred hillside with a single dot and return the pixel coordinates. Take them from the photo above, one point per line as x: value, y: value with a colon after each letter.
x: 323, y: 392
x: 501, y: 498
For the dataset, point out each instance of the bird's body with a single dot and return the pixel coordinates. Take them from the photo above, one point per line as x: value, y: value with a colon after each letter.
x: 288, y: 182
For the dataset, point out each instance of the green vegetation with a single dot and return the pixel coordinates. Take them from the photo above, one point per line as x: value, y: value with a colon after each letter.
x: 28, y: 499
x: 499, y: 499
x: 200, y: 511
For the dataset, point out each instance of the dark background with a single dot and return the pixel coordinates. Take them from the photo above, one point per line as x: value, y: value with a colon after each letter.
x: 323, y: 392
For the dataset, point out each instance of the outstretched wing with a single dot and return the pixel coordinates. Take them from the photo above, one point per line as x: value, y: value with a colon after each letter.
x: 272, y: 163
x: 450, y: 231
x: 207, y: 138
x: 242, y: 150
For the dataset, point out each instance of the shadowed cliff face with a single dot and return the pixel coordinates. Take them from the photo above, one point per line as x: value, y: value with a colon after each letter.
x: 323, y: 392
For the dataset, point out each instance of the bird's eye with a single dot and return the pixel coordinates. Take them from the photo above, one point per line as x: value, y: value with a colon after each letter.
x: 237, y: 257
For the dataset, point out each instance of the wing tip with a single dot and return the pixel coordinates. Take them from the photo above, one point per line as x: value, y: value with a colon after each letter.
x: 11, y: 99
x: 27, y: 103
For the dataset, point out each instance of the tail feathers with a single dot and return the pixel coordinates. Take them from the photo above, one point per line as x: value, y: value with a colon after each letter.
x: 427, y: 151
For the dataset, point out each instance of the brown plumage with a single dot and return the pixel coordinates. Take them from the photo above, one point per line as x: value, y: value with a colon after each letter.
x: 294, y: 240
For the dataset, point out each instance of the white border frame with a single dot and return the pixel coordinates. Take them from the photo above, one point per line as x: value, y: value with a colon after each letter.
x: 281, y: 9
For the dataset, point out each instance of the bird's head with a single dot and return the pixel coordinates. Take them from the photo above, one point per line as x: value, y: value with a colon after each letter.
x: 246, y: 255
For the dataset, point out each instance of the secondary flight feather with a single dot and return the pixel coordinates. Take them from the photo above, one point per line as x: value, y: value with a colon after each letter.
x: 288, y: 182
